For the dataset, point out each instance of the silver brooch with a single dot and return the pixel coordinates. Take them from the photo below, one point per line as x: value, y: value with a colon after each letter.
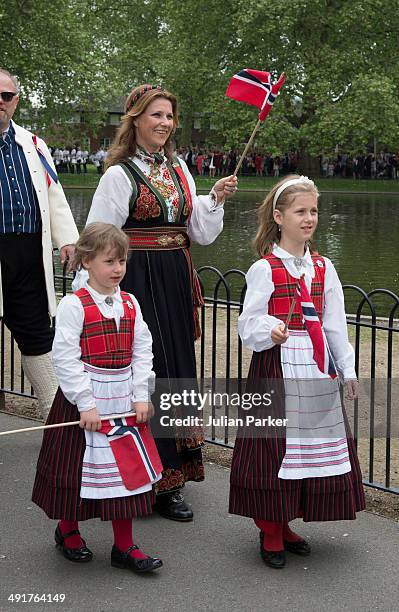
x: 109, y: 301
x: 298, y: 262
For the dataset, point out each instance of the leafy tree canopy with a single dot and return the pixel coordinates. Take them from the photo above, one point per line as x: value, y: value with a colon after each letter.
x: 340, y: 59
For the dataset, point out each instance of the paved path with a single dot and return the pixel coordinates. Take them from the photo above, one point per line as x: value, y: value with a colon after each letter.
x: 210, y: 564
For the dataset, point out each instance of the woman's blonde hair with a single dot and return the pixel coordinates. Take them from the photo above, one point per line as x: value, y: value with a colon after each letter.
x: 97, y: 237
x: 124, y: 144
x: 268, y: 229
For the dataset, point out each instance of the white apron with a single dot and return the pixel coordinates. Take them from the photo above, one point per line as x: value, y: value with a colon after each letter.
x: 316, y: 443
x: 101, y: 479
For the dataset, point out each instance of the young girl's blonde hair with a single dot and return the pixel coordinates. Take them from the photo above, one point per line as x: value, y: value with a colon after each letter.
x: 97, y: 237
x: 268, y: 230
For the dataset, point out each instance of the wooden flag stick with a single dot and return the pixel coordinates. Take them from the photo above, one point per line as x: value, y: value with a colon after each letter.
x: 36, y: 428
x: 257, y: 126
x: 292, y: 308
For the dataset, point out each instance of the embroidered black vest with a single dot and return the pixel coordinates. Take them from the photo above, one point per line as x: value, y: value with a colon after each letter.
x: 147, y: 206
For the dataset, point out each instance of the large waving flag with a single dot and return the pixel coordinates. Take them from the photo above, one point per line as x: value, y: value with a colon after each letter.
x: 321, y: 352
x: 134, y: 450
x: 255, y: 87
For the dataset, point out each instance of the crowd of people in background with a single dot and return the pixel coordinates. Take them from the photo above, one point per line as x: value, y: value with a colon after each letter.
x: 382, y: 166
x: 75, y: 159
x: 216, y: 162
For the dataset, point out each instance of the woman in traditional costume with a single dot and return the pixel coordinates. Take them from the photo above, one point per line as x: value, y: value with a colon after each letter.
x: 305, y: 466
x: 149, y: 193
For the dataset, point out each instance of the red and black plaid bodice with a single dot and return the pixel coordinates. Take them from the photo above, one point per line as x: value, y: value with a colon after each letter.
x: 284, y: 287
x: 101, y: 343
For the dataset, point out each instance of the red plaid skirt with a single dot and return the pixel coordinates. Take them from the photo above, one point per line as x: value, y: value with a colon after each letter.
x: 255, y: 489
x: 59, y: 469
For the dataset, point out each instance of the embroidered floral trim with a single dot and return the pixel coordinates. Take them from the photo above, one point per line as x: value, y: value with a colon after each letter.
x: 174, y: 479
x: 163, y: 182
x: 147, y: 206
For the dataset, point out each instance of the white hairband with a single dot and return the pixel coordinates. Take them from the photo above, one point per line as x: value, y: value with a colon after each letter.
x: 295, y: 181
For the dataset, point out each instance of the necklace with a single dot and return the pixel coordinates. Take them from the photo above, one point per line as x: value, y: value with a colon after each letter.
x: 154, y: 169
x: 155, y: 159
x: 108, y: 300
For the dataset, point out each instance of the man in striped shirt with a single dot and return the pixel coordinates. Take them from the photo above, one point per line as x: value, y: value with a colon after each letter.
x: 34, y: 214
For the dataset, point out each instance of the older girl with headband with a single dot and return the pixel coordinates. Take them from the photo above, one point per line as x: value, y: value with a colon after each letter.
x: 303, y: 463
x: 149, y: 193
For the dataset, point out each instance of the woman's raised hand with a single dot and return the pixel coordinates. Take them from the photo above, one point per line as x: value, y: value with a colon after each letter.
x: 225, y: 188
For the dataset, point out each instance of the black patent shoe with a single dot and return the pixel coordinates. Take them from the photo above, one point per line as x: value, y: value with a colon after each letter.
x: 274, y: 559
x: 173, y: 507
x: 80, y: 555
x: 123, y: 560
x: 300, y: 547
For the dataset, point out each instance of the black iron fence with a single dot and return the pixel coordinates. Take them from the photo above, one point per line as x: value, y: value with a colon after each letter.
x: 374, y: 332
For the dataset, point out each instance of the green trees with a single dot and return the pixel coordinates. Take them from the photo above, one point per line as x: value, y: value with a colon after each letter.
x: 57, y: 52
x: 342, y: 67
x: 340, y: 58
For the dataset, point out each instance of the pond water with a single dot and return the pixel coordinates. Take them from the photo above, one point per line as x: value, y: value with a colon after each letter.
x: 359, y: 233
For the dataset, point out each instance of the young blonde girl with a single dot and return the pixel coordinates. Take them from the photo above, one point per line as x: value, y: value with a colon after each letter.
x: 309, y: 468
x: 103, y: 361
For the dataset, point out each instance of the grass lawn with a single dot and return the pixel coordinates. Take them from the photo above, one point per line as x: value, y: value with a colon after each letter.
x: 81, y: 180
x: 335, y: 184
x: 90, y: 180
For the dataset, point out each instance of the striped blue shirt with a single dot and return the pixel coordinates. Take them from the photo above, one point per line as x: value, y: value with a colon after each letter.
x: 19, y: 206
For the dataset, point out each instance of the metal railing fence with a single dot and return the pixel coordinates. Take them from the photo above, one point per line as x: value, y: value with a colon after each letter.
x: 374, y: 332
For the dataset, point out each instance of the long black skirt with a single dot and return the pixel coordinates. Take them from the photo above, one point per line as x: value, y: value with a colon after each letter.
x: 160, y: 281
x: 255, y: 489
x: 59, y: 473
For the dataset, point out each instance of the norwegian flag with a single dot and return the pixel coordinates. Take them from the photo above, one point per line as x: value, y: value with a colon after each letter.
x: 321, y: 352
x: 255, y: 87
x: 134, y: 450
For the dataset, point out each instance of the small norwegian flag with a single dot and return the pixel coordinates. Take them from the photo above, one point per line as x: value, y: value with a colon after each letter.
x: 134, y: 450
x: 255, y: 87
x: 321, y: 352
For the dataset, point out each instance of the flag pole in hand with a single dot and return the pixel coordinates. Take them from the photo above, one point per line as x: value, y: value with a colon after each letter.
x: 67, y: 424
x: 254, y: 87
x: 294, y: 301
x: 291, y: 312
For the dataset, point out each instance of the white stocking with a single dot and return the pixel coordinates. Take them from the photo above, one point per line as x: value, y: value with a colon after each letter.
x: 40, y: 371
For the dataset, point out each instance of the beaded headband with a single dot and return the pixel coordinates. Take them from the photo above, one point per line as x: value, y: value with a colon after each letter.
x: 297, y: 181
x: 142, y: 91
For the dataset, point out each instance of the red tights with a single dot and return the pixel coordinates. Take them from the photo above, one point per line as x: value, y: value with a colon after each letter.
x: 123, y: 536
x: 74, y: 541
x: 275, y: 534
